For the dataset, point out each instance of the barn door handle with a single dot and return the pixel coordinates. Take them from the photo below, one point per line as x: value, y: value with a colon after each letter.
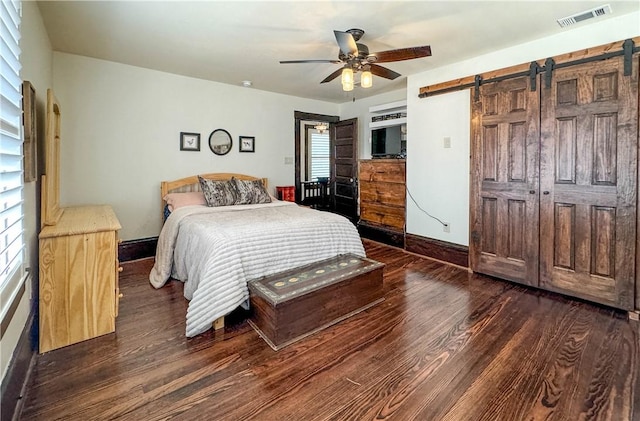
x: 545, y: 192
x: 532, y: 192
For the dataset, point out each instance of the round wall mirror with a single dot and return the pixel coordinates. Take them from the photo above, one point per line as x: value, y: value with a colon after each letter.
x: 220, y: 142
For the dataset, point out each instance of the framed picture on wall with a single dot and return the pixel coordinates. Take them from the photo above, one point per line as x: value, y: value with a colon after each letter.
x: 189, y: 141
x: 247, y: 144
x: 30, y: 132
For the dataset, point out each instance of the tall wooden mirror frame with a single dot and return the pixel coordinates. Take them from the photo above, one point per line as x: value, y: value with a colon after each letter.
x: 50, y: 208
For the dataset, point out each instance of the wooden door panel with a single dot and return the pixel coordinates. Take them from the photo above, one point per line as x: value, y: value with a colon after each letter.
x: 603, y: 246
x: 490, y: 153
x: 517, y: 164
x: 564, y: 235
x: 344, y: 150
x: 565, y: 156
x: 588, y: 177
x: 344, y: 168
x: 516, y: 222
x: 489, y: 225
x: 504, y: 186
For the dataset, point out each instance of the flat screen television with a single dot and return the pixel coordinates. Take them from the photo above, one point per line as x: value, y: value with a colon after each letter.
x: 386, y: 141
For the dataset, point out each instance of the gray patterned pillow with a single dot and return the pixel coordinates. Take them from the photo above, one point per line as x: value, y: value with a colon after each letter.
x: 218, y: 193
x: 251, y: 192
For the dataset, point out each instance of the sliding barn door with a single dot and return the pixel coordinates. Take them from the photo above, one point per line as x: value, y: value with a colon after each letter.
x: 589, y: 166
x: 504, y: 181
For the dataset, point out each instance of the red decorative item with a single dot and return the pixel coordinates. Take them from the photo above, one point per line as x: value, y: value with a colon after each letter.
x: 287, y: 193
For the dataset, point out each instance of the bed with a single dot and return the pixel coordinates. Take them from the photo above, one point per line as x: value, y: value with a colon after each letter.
x: 216, y: 250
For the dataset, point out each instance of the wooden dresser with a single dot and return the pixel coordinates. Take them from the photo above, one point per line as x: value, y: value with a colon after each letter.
x: 78, y: 276
x: 382, y: 200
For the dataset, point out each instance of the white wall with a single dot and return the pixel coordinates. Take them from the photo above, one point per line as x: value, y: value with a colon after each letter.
x: 439, y: 178
x: 36, y: 59
x: 121, y: 126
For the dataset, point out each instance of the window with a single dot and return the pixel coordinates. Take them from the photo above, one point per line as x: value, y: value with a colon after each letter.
x: 11, y: 195
x: 319, y: 154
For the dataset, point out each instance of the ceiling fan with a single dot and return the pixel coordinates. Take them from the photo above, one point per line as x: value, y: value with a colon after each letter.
x: 356, y: 57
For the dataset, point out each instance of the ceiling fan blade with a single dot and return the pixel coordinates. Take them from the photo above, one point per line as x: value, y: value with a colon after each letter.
x: 384, y: 72
x: 332, y: 76
x: 346, y: 42
x: 309, y: 61
x: 400, y: 54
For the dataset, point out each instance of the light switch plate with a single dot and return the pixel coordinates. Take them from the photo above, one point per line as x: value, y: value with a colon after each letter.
x: 447, y: 142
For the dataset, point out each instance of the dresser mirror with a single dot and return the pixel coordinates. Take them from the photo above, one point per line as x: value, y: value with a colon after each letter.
x: 50, y: 206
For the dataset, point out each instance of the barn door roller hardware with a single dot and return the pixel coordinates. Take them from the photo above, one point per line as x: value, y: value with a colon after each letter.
x: 549, y: 65
x: 628, y: 48
x: 534, y: 69
x: 476, y: 88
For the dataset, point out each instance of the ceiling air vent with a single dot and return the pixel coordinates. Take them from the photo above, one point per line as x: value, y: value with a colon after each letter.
x: 579, y: 17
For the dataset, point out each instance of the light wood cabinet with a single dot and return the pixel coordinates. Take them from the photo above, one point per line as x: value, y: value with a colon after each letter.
x: 78, y: 276
x: 382, y: 193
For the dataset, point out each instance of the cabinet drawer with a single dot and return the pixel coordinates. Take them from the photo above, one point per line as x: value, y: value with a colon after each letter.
x: 389, y: 216
x: 391, y: 171
x: 391, y: 194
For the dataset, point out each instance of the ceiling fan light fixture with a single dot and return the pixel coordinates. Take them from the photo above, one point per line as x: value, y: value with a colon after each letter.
x: 347, y: 79
x: 366, y: 80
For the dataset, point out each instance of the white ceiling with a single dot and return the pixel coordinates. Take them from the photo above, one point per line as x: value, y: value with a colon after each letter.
x: 232, y: 41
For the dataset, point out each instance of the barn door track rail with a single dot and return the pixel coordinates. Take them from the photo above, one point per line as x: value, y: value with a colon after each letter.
x: 532, y: 70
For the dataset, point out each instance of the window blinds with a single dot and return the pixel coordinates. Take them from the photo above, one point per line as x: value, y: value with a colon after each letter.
x: 11, y: 195
x: 320, y: 165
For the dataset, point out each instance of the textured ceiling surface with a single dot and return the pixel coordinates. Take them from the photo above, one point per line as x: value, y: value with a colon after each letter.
x: 232, y: 41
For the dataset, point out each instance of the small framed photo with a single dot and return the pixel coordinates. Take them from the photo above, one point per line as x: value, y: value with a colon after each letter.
x: 247, y: 144
x: 189, y: 141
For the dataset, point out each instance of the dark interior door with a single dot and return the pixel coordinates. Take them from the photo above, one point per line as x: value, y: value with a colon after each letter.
x: 504, y: 181
x: 344, y: 168
x: 589, y: 151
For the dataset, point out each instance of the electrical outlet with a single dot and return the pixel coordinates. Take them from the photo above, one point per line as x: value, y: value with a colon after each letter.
x: 446, y: 227
x: 447, y: 142
x: 288, y: 160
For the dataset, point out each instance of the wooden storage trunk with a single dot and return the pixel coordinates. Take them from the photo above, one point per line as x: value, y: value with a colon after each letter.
x: 291, y: 305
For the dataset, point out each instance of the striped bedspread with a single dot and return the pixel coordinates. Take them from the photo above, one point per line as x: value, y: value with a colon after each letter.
x: 216, y: 250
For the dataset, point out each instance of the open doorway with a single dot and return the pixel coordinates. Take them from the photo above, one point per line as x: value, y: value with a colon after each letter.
x: 315, y: 168
x: 339, y: 192
x: 313, y: 158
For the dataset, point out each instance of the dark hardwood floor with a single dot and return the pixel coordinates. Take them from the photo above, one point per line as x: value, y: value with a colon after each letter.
x: 444, y: 345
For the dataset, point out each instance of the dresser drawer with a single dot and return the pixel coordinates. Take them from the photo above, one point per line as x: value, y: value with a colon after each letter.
x: 391, y: 194
x: 378, y: 170
x: 384, y: 215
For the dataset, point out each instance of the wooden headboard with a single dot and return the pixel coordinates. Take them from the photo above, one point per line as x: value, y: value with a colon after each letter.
x: 191, y: 183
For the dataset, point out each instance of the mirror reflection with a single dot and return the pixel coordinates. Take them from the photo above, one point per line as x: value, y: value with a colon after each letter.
x: 220, y: 142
